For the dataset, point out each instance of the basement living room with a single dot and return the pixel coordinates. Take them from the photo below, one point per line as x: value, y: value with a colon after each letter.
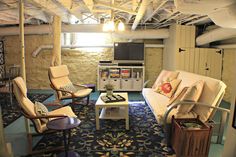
x: 120, y: 78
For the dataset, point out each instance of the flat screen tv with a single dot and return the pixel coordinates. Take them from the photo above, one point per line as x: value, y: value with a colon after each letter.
x: 128, y: 51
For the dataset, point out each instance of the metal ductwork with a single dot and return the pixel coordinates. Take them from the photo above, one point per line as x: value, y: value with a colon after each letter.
x: 47, y: 29
x: 215, y: 35
x: 221, y: 12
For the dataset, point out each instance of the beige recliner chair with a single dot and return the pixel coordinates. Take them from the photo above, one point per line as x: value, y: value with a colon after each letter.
x: 27, y: 108
x: 65, y: 89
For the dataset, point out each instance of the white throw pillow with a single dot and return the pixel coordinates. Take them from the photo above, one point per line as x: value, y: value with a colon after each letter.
x: 41, y: 110
x: 192, y: 94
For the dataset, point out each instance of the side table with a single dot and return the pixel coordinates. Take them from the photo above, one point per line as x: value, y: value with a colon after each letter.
x: 65, y: 125
x: 190, y: 137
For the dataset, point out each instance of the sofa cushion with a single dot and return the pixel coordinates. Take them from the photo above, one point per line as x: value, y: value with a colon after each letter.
x: 156, y: 101
x: 192, y: 94
x: 168, y: 88
x: 163, y: 76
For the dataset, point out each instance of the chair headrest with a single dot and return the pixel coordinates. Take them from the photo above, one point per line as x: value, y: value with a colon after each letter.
x: 59, y: 71
x: 20, y: 83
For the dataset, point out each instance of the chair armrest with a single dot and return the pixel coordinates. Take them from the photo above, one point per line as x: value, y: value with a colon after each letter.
x: 47, y: 116
x: 145, y: 83
x: 174, y: 105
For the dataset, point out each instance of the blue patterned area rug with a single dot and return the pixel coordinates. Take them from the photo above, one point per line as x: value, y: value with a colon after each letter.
x: 145, y: 137
x: 12, y: 112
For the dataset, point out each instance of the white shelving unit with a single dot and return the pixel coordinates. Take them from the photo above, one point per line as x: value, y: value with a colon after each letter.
x: 123, y: 78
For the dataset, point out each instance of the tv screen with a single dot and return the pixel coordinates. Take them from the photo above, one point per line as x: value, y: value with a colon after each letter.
x: 129, y: 51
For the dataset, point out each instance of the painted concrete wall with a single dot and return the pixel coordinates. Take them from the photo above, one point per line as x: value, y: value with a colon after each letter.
x: 82, y: 65
x: 228, y: 75
x: 230, y: 143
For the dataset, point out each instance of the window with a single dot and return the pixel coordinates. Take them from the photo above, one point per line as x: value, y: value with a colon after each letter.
x: 90, y: 42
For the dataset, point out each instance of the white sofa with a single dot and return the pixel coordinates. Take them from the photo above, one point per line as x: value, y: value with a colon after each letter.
x: 206, y: 106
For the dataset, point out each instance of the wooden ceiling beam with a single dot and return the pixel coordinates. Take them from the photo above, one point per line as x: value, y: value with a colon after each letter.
x: 71, y: 7
x: 115, y: 7
x: 34, y: 13
x: 52, y: 8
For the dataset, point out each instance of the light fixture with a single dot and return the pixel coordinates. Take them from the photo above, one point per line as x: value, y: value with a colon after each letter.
x: 111, y: 26
x: 121, y: 26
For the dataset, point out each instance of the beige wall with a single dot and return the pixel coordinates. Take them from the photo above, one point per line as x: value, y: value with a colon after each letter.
x: 229, y: 72
x: 82, y: 65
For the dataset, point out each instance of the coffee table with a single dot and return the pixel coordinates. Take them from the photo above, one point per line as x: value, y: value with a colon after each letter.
x: 115, y: 110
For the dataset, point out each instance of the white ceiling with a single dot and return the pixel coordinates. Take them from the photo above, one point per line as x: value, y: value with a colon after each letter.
x: 147, y: 14
x: 137, y: 14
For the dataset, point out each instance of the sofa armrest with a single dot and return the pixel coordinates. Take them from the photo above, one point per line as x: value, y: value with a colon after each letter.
x: 145, y: 83
x: 225, y: 113
x: 174, y: 105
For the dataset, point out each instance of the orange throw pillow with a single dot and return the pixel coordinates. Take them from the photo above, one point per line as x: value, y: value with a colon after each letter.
x: 168, y: 88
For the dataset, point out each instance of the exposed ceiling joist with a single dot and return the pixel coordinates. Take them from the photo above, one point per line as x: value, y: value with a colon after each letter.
x: 141, y: 12
x: 52, y: 8
x: 68, y: 5
x: 115, y: 7
x: 89, y: 4
x: 159, y: 4
x: 35, y: 13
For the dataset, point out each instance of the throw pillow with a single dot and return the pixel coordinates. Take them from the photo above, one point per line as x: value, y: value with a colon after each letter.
x: 70, y: 88
x: 178, y: 96
x: 41, y: 110
x: 163, y: 76
x: 192, y: 94
x: 168, y: 88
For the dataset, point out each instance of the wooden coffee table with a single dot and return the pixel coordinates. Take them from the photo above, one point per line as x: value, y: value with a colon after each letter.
x: 115, y: 110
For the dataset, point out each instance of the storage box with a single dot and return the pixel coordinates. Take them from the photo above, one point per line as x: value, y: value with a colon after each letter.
x: 126, y: 84
x: 190, y: 141
x: 137, y: 84
x: 115, y: 83
x: 103, y: 82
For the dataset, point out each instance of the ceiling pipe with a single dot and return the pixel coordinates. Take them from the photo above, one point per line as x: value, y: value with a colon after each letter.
x: 226, y: 46
x: 42, y: 47
x: 215, y: 35
x: 47, y: 29
x: 143, y: 34
x: 141, y: 11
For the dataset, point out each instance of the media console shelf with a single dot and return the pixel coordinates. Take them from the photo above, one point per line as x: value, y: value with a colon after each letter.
x: 123, y: 78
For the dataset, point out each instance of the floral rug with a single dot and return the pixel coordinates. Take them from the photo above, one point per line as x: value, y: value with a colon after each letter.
x: 12, y: 112
x: 145, y: 137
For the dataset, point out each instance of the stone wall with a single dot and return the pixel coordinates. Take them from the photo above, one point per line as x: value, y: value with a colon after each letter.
x: 82, y: 65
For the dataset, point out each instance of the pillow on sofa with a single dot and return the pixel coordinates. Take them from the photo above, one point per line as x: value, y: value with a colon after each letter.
x: 168, y: 88
x: 41, y: 110
x: 178, y: 96
x: 163, y: 76
x: 192, y: 94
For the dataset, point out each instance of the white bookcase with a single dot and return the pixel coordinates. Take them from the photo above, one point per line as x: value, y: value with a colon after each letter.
x: 123, y: 78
